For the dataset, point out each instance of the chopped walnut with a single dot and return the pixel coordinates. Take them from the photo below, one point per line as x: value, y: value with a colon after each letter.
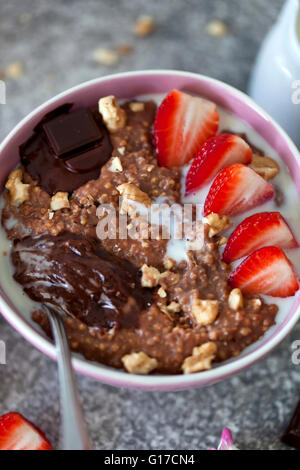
x: 60, y: 201
x: 196, y: 236
x: 265, y: 166
x: 162, y: 293
x: 216, y: 223
x: 170, y: 278
x: 113, y: 116
x: 222, y: 241
x: 235, y: 299
x: 144, y: 25
x: 217, y: 28
x: 201, y: 358
x: 88, y: 200
x: 105, y: 56
x: 136, y: 107
x: 150, y: 276
x: 169, y: 263
x: 121, y: 150
x: 127, y: 208
x: 18, y: 191
x: 133, y: 193
x: 204, y: 311
x: 255, y: 304
x: 139, y: 363
x: 14, y: 70
x: 173, y: 307
x: 150, y: 168
x: 116, y: 165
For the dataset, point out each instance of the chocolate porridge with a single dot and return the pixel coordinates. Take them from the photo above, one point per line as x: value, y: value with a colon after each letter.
x: 126, y: 303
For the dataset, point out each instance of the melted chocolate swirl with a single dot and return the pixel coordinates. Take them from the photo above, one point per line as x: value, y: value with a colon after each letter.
x: 81, y: 279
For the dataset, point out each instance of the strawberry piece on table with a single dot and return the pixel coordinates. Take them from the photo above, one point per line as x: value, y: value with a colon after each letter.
x: 182, y: 124
x: 237, y: 189
x: 266, y: 271
x: 215, y: 154
x: 256, y: 231
x: 17, y: 433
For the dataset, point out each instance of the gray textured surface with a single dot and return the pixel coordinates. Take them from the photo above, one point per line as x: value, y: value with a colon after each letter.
x: 55, y: 46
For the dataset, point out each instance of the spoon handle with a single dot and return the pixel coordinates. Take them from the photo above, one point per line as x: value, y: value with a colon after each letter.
x: 74, y: 433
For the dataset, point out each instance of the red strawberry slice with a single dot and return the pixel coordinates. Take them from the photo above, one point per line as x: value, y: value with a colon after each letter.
x: 237, y: 189
x: 256, y: 231
x: 266, y: 271
x: 215, y: 154
x: 17, y: 433
x: 182, y: 124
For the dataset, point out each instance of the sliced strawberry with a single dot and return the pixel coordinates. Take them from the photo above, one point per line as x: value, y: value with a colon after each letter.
x: 266, y: 271
x: 17, y: 433
x: 182, y: 124
x: 215, y: 154
x: 256, y: 231
x: 237, y: 189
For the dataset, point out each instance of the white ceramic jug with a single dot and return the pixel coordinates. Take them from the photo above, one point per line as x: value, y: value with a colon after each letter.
x: 275, y: 79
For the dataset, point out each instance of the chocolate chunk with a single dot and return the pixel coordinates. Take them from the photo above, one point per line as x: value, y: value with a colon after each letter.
x: 291, y: 436
x: 87, y: 161
x: 48, y: 155
x: 80, y: 278
x: 71, y: 132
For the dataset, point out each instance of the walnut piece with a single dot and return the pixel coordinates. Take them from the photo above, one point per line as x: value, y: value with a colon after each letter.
x: 217, y: 28
x: 105, y: 56
x: 116, y: 165
x: 14, y: 70
x: 136, y: 107
x: 204, y: 311
x: 201, y: 358
x: 127, y: 208
x: 144, y: 25
x: 133, y: 193
x: 255, y: 304
x: 265, y: 166
x: 60, y: 201
x: 170, y: 278
x: 235, y: 299
x: 139, y: 363
x: 216, y: 223
x: 150, y: 276
x: 113, y: 116
x: 162, y: 293
x: 169, y: 263
x: 173, y: 307
x: 121, y: 150
x: 18, y: 191
x: 222, y: 241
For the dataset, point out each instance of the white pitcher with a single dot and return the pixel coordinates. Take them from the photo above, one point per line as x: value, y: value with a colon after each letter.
x: 275, y: 79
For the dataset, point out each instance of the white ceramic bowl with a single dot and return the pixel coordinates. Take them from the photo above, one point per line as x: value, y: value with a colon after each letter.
x: 129, y: 85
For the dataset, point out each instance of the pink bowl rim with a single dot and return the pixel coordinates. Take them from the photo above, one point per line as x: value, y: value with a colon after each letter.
x: 119, y: 378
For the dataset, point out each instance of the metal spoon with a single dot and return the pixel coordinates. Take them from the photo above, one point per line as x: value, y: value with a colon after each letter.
x: 74, y: 433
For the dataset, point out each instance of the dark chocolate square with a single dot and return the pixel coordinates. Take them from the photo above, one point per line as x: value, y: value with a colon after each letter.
x: 68, y: 133
x: 291, y: 436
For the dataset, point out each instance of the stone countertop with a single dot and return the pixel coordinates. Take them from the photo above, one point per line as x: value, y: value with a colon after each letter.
x: 54, y: 43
